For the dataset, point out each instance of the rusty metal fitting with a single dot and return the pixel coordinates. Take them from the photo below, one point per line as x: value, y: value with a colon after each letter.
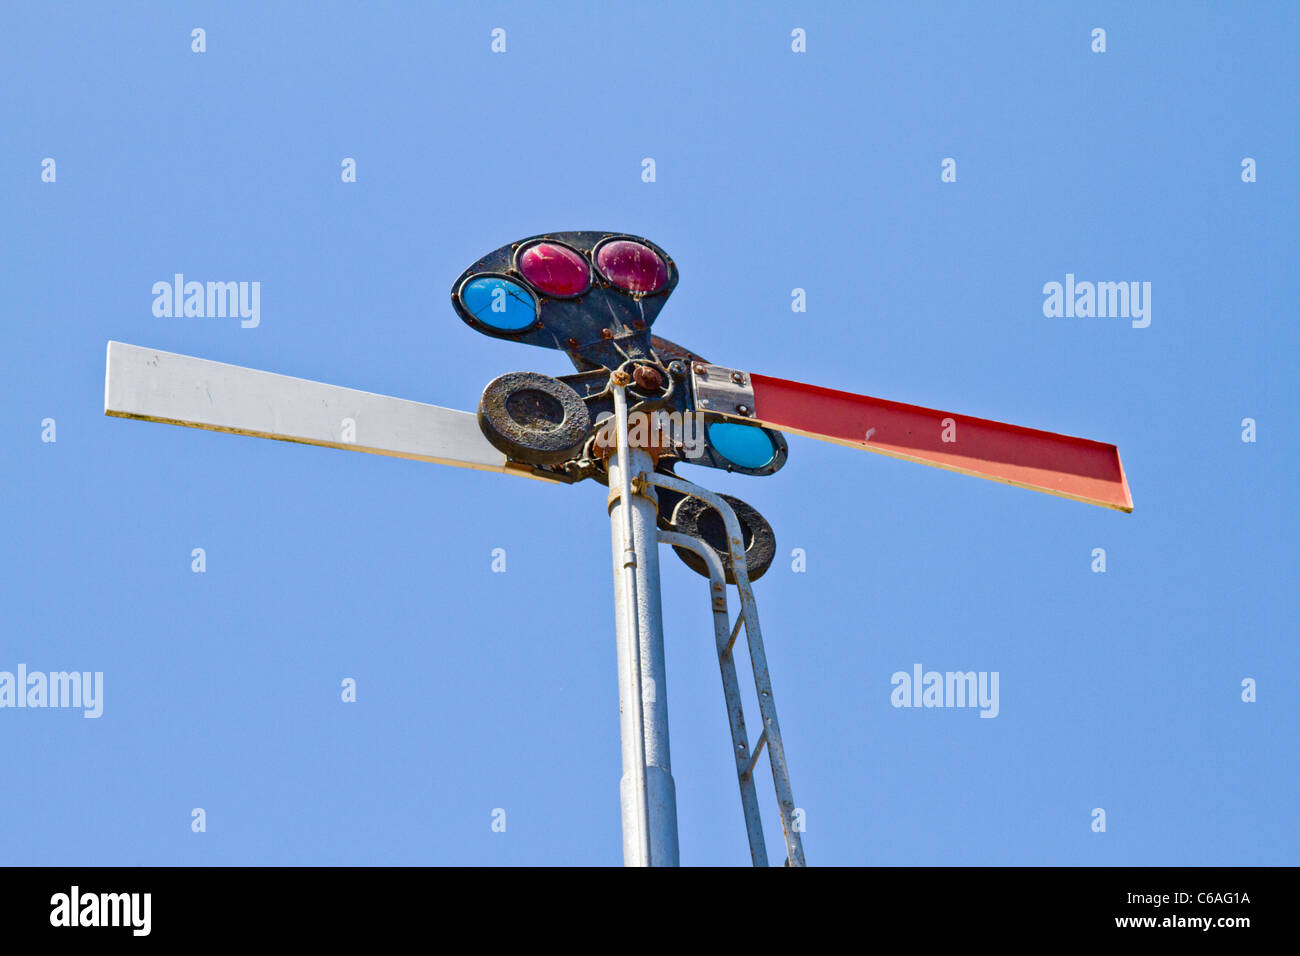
x: 647, y: 378
x: 656, y: 441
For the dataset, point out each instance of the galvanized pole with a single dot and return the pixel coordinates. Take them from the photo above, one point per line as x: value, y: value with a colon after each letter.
x: 647, y: 792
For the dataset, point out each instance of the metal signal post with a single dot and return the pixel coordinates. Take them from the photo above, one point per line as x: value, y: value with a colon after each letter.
x: 648, y: 795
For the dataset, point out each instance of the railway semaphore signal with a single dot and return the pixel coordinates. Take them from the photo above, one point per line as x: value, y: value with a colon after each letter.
x: 637, y: 407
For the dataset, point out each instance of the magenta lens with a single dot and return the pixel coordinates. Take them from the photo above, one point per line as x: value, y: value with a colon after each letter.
x: 555, y: 269
x: 632, y: 266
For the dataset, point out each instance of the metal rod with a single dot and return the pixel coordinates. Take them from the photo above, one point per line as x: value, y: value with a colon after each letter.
x: 648, y: 794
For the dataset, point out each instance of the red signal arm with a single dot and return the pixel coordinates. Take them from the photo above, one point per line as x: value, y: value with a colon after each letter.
x: 1076, y: 468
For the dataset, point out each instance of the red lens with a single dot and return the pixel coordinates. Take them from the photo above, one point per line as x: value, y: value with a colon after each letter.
x: 554, y: 269
x: 632, y: 266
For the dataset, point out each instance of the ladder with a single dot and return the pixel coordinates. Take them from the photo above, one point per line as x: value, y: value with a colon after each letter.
x: 746, y: 756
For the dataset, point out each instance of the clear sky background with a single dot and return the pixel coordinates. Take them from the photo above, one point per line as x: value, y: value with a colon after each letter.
x: 775, y: 170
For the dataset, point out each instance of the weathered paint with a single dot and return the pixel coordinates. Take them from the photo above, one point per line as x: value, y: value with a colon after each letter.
x: 1076, y: 468
x: 157, y: 386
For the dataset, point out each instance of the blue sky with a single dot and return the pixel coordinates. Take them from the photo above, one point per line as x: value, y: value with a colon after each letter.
x: 775, y: 171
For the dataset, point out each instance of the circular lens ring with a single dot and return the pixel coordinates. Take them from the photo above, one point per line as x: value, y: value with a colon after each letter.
x: 631, y: 265
x: 533, y: 418
x: 554, y: 269
x: 475, y: 295
x: 749, y: 446
x: 698, y: 519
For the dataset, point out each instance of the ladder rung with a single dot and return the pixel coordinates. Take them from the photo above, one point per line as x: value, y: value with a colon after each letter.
x: 735, y: 632
x: 753, y: 758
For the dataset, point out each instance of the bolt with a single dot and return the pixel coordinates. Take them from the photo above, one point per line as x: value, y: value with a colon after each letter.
x: 742, y: 409
x: 619, y: 378
x: 699, y: 368
x: 676, y: 369
x: 647, y: 378
x: 606, y: 334
x: 738, y: 378
x: 572, y: 343
x: 703, y: 403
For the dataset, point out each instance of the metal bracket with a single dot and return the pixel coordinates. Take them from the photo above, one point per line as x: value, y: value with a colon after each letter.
x: 722, y: 391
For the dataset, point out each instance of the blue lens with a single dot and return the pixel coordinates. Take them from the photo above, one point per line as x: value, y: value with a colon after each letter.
x: 499, y: 303
x: 745, y: 445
